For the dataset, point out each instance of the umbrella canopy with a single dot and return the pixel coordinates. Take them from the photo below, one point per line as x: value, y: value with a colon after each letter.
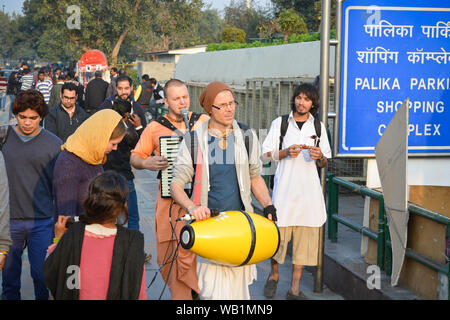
x: 93, y: 60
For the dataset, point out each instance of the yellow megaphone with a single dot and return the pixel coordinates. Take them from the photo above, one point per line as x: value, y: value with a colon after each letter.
x: 233, y: 238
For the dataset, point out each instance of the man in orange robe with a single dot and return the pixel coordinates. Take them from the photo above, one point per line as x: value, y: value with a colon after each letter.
x: 179, y: 267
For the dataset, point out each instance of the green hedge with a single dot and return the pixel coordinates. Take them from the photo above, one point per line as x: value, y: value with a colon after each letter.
x: 294, y: 38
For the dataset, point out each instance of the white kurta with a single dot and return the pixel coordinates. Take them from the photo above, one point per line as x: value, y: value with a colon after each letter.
x: 218, y: 282
x: 297, y: 193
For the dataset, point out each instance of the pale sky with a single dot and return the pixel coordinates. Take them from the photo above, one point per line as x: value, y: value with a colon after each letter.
x: 9, y: 6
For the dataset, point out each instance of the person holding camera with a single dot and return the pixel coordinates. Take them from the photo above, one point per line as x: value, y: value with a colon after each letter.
x: 119, y: 160
x: 97, y: 258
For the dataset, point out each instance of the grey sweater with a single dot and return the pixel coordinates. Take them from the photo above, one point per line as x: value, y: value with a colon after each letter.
x: 5, y: 236
x: 30, y: 174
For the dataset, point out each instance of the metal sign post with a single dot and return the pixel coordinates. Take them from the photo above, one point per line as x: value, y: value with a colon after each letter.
x: 324, y: 98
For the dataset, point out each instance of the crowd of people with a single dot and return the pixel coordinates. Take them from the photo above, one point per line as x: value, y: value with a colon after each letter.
x: 67, y: 190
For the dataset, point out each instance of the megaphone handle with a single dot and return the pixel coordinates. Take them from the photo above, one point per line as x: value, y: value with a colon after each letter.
x: 214, y: 212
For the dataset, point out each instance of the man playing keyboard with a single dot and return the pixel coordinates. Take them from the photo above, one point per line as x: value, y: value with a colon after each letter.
x: 178, y: 268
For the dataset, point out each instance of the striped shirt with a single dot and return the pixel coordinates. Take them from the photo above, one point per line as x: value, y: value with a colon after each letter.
x: 27, y: 81
x: 45, y: 88
x: 3, y: 83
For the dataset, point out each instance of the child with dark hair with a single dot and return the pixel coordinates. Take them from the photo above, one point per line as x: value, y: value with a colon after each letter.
x: 97, y: 258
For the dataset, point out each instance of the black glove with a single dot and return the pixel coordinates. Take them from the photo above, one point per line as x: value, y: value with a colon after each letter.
x: 270, y: 209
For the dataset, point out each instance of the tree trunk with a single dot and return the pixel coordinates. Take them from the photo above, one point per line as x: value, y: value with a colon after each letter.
x: 116, y: 49
x: 119, y: 42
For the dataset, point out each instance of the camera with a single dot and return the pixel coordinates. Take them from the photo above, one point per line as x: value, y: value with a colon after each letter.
x: 71, y: 221
x: 122, y: 107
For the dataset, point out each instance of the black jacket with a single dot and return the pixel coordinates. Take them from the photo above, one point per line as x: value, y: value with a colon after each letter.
x: 13, y: 86
x: 119, y: 160
x: 146, y: 94
x: 95, y: 94
x: 126, y: 269
x: 60, y: 124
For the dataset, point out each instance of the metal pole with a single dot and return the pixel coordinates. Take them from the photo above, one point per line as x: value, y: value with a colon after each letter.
x: 324, y: 98
x: 333, y: 208
x: 381, y: 235
x: 337, y: 75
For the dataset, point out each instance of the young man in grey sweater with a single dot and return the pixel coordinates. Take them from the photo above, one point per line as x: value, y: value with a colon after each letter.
x: 30, y: 153
x: 5, y: 236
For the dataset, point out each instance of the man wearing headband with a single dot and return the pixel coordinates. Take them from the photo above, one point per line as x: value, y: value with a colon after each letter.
x: 230, y: 171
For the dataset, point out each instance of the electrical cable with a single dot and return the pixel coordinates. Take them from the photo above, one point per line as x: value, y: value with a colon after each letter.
x: 169, y: 258
x: 174, y: 253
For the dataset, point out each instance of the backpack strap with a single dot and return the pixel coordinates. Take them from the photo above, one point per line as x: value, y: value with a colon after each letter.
x: 244, y: 129
x: 318, y: 129
x: 194, y: 119
x: 4, y: 132
x: 191, y: 141
x: 166, y: 123
x: 193, y: 148
x: 283, y: 129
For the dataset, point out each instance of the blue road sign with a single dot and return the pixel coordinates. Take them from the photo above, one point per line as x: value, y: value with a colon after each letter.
x: 393, y: 50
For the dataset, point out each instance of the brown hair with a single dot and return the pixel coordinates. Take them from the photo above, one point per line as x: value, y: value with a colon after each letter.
x: 107, y: 199
x: 119, y: 131
x: 173, y: 83
x: 30, y: 99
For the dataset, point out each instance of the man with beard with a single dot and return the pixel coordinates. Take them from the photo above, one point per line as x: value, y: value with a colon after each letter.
x: 297, y: 192
x: 119, y: 160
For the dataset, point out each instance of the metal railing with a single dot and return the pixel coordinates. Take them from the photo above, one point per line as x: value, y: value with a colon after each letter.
x: 384, y: 253
x: 261, y: 100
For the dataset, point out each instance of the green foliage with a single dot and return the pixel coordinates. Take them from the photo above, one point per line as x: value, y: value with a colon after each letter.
x: 290, y: 22
x: 133, y: 74
x: 128, y: 29
x: 209, y: 26
x: 248, y: 19
x: 173, y: 22
x: 294, y: 38
x: 16, y: 44
x: 309, y: 9
x: 233, y: 34
x: 122, y: 29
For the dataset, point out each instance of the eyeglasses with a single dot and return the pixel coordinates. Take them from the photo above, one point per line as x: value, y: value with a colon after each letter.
x: 69, y: 98
x: 224, y: 105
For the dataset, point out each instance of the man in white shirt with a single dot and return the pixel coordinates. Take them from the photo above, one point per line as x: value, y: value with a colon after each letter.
x: 297, y: 193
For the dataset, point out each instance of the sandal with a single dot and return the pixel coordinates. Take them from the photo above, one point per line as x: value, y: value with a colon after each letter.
x: 299, y: 296
x: 270, y: 288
